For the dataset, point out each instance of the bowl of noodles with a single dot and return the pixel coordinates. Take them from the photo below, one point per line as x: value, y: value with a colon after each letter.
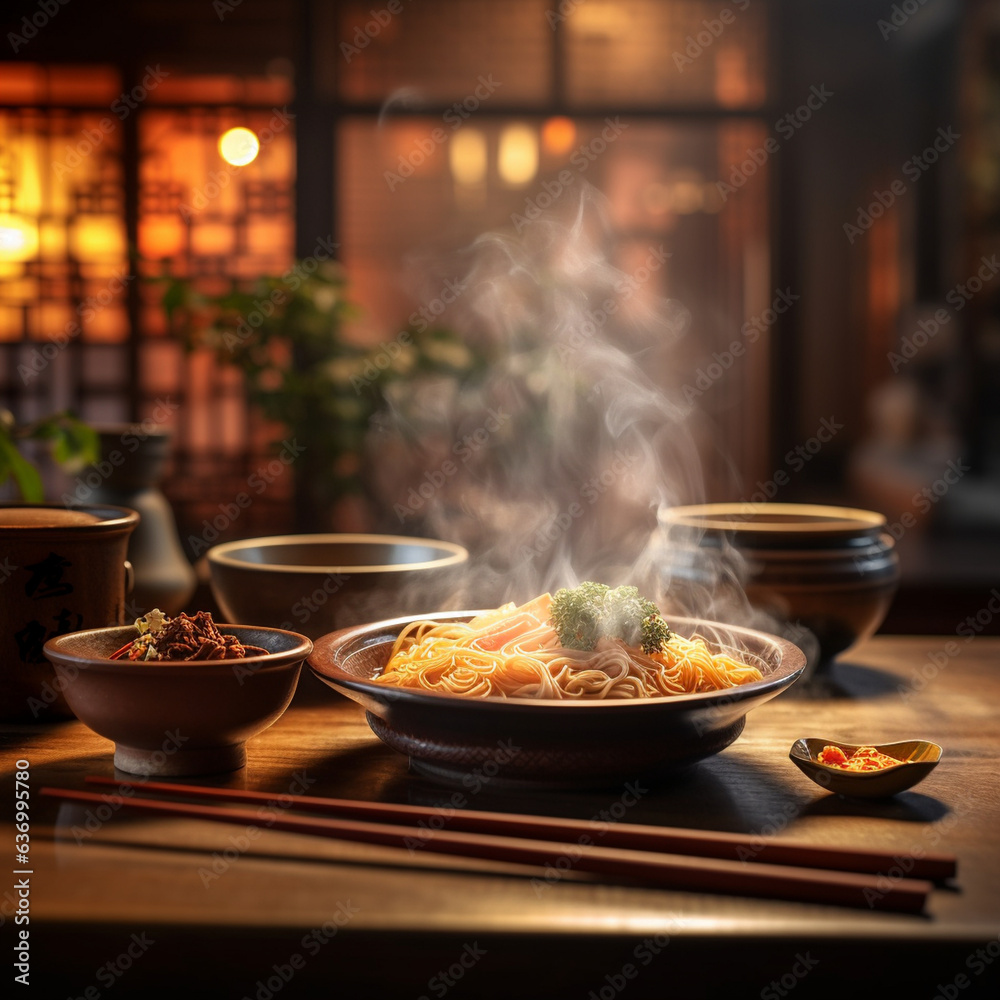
x: 495, y: 695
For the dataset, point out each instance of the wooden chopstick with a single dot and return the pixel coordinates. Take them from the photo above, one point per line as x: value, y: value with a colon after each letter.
x: 647, y: 868
x: 631, y: 836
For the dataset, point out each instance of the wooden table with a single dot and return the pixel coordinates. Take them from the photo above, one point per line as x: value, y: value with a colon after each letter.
x: 148, y: 906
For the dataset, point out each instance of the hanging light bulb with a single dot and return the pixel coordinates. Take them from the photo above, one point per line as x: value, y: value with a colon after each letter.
x: 239, y: 146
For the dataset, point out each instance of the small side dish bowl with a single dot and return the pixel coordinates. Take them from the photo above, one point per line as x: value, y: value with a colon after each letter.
x: 318, y: 583
x: 917, y: 758
x: 531, y: 743
x: 178, y: 717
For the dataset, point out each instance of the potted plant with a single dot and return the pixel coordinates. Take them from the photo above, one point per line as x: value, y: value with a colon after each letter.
x: 71, y: 443
x: 286, y: 335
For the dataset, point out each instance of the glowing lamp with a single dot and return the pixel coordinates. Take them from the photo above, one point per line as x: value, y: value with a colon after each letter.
x: 239, y: 146
x: 517, y: 160
x: 467, y: 157
x: 558, y: 136
x: 18, y: 238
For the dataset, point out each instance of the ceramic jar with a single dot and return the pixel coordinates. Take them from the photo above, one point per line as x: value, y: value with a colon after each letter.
x: 60, y: 571
x: 831, y: 570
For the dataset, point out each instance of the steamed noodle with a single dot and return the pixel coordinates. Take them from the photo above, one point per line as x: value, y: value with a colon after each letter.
x: 466, y: 659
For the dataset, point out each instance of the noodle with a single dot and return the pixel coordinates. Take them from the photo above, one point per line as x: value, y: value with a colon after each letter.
x: 527, y: 661
x: 863, y: 759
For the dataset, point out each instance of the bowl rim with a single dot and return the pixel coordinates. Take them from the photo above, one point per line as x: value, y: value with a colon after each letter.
x: 118, y: 517
x: 727, y: 517
x: 220, y: 554
x: 790, y: 668
x: 802, y: 744
x: 262, y: 663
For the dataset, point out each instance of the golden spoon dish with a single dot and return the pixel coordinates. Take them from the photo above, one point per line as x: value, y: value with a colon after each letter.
x: 917, y: 758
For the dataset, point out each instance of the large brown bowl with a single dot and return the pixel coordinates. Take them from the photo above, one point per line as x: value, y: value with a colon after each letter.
x: 534, y: 742
x: 317, y: 583
x: 831, y: 570
x: 178, y: 717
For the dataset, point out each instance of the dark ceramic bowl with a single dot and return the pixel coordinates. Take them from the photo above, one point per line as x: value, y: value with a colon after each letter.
x: 317, y: 583
x: 523, y: 742
x: 831, y: 570
x: 917, y: 759
x: 178, y: 717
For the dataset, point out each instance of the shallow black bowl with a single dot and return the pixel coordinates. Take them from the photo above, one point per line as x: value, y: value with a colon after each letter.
x: 528, y: 741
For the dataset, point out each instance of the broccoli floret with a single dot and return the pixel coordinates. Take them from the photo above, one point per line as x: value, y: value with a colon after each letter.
x: 582, y: 615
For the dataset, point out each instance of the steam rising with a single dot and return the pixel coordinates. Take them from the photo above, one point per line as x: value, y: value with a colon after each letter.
x: 580, y: 438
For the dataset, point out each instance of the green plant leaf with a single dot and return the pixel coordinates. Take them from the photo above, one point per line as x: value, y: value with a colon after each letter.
x: 29, y: 482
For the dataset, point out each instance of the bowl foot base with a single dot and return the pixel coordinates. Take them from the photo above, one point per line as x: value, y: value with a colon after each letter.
x: 186, y: 763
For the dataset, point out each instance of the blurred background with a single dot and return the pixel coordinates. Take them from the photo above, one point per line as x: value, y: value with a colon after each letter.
x: 822, y: 178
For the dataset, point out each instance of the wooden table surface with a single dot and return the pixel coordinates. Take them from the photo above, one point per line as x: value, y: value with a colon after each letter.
x: 132, y: 905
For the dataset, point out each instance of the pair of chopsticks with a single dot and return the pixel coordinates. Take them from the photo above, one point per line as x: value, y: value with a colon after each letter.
x: 650, y: 855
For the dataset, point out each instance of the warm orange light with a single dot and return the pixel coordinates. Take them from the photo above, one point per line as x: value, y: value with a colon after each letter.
x: 97, y: 237
x: 467, y: 156
x: 239, y: 146
x: 558, y: 136
x: 517, y: 160
x: 18, y: 238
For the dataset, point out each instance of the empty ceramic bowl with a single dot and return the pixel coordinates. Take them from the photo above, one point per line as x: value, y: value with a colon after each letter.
x: 831, y: 570
x: 917, y: 759
x: 317, y: 583
x: 178, y: 717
